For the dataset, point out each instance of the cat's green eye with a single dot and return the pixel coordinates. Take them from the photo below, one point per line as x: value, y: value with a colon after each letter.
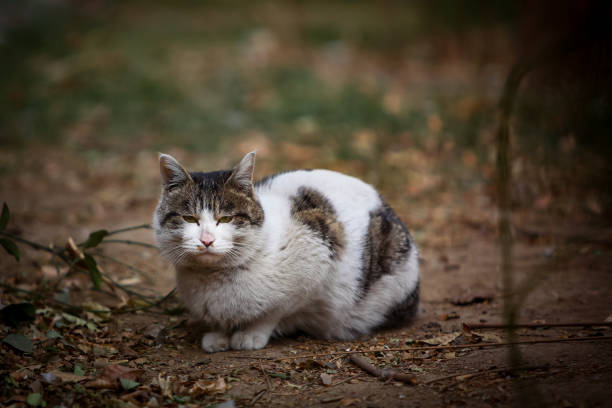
x: 190, y: 218
x: 225, y: 219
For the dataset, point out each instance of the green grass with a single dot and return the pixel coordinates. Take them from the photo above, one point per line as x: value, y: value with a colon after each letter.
x: 119, y: 80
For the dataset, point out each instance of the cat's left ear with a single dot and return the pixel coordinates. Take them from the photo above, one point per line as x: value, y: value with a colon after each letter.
x: 242, y: 175
x: 173, y: 174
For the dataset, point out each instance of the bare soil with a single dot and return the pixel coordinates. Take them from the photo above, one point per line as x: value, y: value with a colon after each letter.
x: 561, y: 265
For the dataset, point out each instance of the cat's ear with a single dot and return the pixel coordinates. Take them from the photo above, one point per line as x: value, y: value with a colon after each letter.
x: 242, y: 175
x: 172, y: 173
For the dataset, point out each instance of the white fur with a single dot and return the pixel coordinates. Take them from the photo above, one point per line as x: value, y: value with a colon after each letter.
x: 300, y: 286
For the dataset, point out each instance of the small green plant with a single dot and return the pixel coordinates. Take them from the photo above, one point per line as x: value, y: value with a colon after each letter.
x: 78, y: 258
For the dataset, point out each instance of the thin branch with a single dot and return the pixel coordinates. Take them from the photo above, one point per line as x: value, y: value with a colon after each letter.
x: 268, y: 383
x: 128, y: 242
x: 71, y: 264
x: 475, y: 326
x: 344, y: 380
x: 126, y: 289
x: 257, y: 396
x: 447, y: 347
x: 29, y: 243
x: 166, y: 297
x: 126, y: 229
x: 476, y: 373
x: 385, y: 374
x: 40, y: 295
x: 117, y: 261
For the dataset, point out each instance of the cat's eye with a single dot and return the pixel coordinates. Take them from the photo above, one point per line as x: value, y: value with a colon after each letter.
x: 225, y: 219
x: 190, y: 218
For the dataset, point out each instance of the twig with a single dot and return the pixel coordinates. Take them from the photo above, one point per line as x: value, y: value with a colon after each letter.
x: 126, y: 229
x: 471, y: 374
x: 447, y: 347
x: 472, y: 326
x: 257, y: 396
x: 128, y: 242
x: 29, y: 243
x: 268, y: 383
x: 71, y: 264
x: 74, y: 263
x: 117, y: 261
x: 330, y: 400
x: 383, y: 373
x: 166, y: 297
x: 126, y: 289
x: 39, y: 295
x: 344, y: 380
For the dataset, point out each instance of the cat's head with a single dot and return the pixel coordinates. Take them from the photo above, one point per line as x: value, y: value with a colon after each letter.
x: 210, y: 219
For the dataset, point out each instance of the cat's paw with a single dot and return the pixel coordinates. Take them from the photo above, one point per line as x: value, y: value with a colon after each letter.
x: 244, y: 340
x: 215, y: 341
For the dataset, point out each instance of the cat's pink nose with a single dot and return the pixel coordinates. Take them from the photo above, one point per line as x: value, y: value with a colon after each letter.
x: 207, y: 239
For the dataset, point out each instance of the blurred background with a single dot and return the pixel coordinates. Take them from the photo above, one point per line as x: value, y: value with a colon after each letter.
x: 401, y: 94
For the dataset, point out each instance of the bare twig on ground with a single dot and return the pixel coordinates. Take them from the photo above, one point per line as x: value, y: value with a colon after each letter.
x: 571, y: 236
x: 383, y: 373
x: 128, y: 242
x: 119, y: 262
x: 447, y: 347
x: 476, y: 373
x: 268, y: 383
x: 330, y: 400
x: 257, y: 396
x: 38, y: 295
x: 126, y: 229
x: 344, y: 380
x: 476, y: 326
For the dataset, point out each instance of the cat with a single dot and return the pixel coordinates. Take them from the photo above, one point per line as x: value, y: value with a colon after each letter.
x: 314, y: 251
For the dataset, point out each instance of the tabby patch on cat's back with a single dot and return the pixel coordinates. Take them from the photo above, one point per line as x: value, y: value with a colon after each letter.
x: 310, y: 250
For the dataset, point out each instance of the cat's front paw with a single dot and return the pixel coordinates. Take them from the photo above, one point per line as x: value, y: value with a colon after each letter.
x: 215, y: 341
x: 243, y: 340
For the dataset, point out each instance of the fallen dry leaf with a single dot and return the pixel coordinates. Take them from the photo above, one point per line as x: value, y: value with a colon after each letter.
x: 347, y: 402
x: 97, y: 309
x: 110, y: 375
x: 448, y: 316
x: 310, y: 364
x: 165, y: 385
x: 156, y: 332
x: 201, y: 387
x: 69, y: 377
x: 442, y: 340
x: 471, y: 295
x: 326, y: 379
x: 21, y: 374
x: 486, y: 337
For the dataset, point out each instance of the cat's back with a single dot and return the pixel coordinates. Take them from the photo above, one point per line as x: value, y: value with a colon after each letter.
x: 335, y: 207
x: 372, y: 278
x: 348, y: 196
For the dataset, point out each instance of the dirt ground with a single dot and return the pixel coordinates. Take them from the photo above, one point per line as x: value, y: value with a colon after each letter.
x: 562, y: 264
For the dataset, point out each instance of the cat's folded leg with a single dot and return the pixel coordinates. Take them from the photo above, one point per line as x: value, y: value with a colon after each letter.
x: 255, y: 335
x: 215, y: 341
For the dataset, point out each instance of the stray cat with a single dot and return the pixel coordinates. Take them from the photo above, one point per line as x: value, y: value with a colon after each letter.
x: 309, y: 250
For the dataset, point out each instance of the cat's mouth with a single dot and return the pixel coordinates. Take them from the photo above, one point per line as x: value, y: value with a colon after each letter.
x: 207, y: 253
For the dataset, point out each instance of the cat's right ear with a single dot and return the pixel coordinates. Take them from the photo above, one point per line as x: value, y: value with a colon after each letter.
x: 172, y: 173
